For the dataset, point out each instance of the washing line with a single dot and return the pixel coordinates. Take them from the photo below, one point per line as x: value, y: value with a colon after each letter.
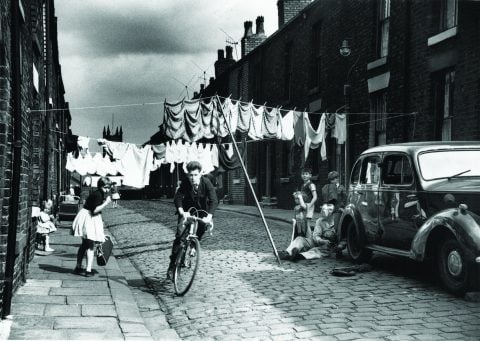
x: 199, y: 99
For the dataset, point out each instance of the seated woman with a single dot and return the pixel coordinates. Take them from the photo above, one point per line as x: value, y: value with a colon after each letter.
x: 46, y: 225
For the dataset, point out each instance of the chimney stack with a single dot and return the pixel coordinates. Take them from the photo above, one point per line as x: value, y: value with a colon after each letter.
x: 248, y: 29
x: 229, y: 51
x: 260, y: 28
x: 287, y: 9
x: 212, y: 79
x: 251, y: 41
x: 220, y: 55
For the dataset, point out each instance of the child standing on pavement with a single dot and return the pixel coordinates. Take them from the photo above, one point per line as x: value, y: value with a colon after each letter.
x: 300, y: 222
x: 309, y: 191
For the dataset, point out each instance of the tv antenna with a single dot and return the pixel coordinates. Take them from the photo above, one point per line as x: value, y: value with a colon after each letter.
x: 204, y: 72
x: 231, y: 41
x: 185, y: 85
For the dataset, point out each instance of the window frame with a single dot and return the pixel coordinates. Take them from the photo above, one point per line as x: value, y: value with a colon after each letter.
x: 383, y: 30
x: 448, y: 11
x: 404, y: 157
x: 378, y: 107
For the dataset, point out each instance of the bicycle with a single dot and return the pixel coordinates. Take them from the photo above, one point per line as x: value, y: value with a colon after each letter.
x: 188, y: 255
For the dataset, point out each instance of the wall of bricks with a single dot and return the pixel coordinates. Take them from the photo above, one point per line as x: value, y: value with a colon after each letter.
x: 34, y: 124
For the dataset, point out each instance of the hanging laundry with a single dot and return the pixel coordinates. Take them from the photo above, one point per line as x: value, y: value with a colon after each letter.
x: 71, y: 162
x: 101, y: 167
x: 115, y: 150
x: 193, y: 126
x: 214, y: 154
x: 227, y: 158
x: 230, y: 111
x: 315, y: 138
x: 340, y: 129
x: 136, y: 165
x: 83, y: 142
x: 270, y: 123
x: 287, y: 126
x: 192, y: 155
x: 255, y: 129
x: 174, y: 120
x: 170, y: 154
x: 159, y: 151
x: 205, y: 158
x: 245, y: 116
x: 207, y: 119
x: 299, y: 127
x: 179, y: 153
x: 219, y: 125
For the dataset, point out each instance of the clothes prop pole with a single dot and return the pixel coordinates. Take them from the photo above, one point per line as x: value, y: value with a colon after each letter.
x: 249, y: 183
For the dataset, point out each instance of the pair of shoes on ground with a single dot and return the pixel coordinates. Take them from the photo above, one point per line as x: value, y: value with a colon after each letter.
x: 82, y: 271
x: 284, y: 255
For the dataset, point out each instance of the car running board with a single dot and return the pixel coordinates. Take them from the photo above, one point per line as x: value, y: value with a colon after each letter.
x: 391, y: 251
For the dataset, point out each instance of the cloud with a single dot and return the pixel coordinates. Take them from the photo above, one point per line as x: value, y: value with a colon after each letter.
x: 117, y: 52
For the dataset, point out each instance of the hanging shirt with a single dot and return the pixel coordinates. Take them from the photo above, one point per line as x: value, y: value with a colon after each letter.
x: 244, y: 117
x: 219, y: 125
x: 315, y: 138
x: 136, y: 164
x: 255, y: 129
x: 270, y: 123
x: 227, y: 158
x: 83, y: 142
x: 191, y: 155
x: 299, y: 127
x: 287, y: 126
x: 101, y: 167
x: 340, y: 129
x: 230, y: 110
x: 174, y: 120
x: 214, y: 154
x: 207, y: 120
x: 193, y: 119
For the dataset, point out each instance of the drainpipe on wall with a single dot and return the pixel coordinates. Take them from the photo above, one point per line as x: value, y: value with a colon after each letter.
x: 16, y: 161
x: 46, y: 153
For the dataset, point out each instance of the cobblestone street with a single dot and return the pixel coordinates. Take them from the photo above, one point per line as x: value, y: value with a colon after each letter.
x: 241, y: 292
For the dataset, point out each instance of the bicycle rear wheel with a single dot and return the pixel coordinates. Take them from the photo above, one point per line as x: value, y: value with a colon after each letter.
x: 186, y: 266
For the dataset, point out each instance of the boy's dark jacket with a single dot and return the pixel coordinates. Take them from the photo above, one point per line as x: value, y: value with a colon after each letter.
x: 206, y: 199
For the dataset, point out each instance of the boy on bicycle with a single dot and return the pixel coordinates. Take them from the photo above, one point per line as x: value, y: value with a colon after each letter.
x: 197, y: 192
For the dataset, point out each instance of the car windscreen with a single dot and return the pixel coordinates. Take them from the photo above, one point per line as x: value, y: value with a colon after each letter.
x: 449, y: 164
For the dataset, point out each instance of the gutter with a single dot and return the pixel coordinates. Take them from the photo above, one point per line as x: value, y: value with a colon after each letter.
x: 16, y: 161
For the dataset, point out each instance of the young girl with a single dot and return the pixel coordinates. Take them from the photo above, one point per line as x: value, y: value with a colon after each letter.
x: 88, y: 224
x: 46, y: 225
x: 300, y: 221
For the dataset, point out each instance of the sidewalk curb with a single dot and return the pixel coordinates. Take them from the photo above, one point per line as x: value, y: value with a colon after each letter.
x: 149, y: 308
x: 228, y: 209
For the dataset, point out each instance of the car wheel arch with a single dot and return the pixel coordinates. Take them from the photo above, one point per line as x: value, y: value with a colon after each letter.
x: 436, y: 236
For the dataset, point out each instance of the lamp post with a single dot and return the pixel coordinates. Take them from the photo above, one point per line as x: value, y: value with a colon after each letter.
x: 345, y: 52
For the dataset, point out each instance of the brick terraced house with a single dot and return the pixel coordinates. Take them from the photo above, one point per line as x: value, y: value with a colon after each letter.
x: 32, y: 136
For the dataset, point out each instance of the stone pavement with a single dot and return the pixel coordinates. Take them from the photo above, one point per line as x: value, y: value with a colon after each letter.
x: 241, y: 292
x: 55, y: 304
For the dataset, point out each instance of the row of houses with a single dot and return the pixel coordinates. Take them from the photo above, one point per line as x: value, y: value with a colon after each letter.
x: 401, y: 70
x: 34, y: 122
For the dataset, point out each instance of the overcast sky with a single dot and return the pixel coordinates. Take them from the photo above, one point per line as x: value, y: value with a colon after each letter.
x: 121, y: 52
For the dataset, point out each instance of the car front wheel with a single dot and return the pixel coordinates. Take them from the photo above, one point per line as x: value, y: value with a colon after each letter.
x: 358, y: 253
x: 454, y: 271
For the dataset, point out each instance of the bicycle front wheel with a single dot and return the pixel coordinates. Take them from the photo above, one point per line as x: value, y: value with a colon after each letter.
x: 186, y: 266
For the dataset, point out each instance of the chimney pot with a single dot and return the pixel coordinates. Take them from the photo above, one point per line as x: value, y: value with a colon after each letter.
x: 260, y: 26
x: 248, y: 28
x: 212, y: 79
x: 220, y: 54
x: 202, y: 87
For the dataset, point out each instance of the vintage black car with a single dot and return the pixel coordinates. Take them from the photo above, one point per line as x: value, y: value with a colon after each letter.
x: 419, y: 200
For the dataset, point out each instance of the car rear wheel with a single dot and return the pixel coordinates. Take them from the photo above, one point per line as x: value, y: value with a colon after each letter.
x: 454, y: 271
x: 358, y: 253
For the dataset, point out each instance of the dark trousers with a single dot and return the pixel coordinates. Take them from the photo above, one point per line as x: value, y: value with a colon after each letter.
x: 86, y: 245
x: 182, y: 231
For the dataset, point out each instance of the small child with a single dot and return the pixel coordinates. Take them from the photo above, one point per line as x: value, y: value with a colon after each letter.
x: 115, y: 195
x: 324, y: 232
x: 46, y: 225
x: 309, y: 190
x: 300, y: 222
